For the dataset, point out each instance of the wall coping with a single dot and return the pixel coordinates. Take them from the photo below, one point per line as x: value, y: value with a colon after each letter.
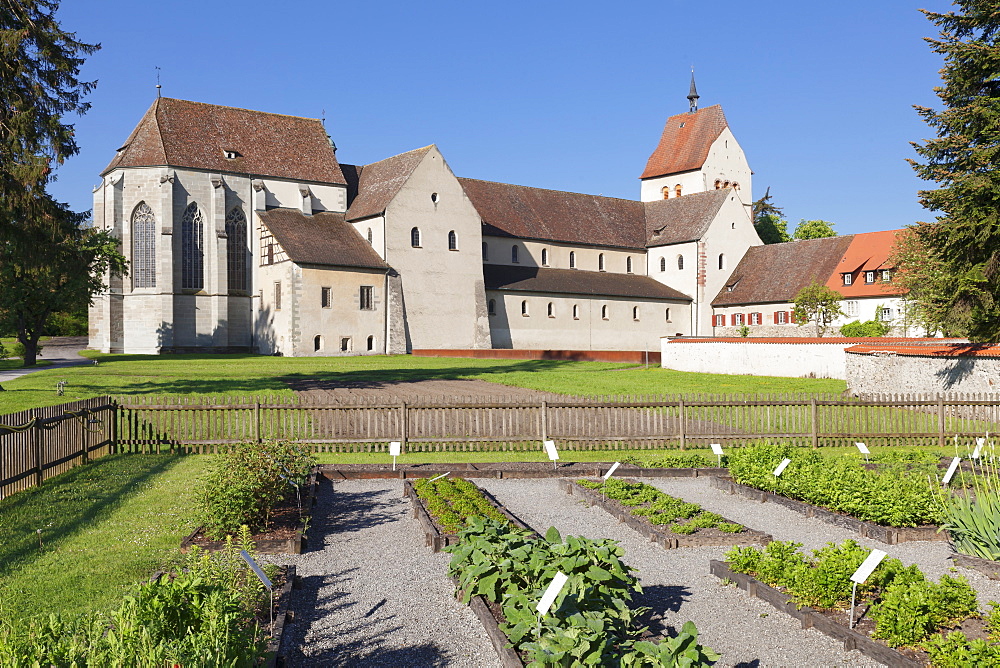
x: 828, y: 340
x: 950, y: 350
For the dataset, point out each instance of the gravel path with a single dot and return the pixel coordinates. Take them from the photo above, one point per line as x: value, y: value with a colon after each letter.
x: 746, y: 631
x: 374, y: 595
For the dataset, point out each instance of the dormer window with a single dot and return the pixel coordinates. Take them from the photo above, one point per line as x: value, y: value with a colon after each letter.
x: 886, y: 276
x: 869, y: 277
x: 848, y: 279
x: 231, y: 154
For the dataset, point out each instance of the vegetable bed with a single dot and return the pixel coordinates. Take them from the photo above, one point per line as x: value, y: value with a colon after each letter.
x: 666, y: 520
x: 901, y: 617
x: 671, y: 469
x: 444, y: 506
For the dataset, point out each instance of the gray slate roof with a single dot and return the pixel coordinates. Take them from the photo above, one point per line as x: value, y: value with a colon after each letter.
x: 577, y: 282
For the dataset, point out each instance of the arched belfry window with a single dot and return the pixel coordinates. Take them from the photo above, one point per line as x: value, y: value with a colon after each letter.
x: 143, y: 247
x: 666, y: 192
x: 677, y: 190
x: 192, y: 248
x: 236, y: 250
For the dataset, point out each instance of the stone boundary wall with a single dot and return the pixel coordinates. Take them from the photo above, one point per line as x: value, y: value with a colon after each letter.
x: 792, y: 360
x: 870, y: 371
x: 626, y: 356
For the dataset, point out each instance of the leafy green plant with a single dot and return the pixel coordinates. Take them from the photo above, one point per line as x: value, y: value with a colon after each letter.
x: 674, y: 460
x: 452, y: 502
x: 956, y: 651
x: 249, y: 482
x: 660, y: 508
x: 973, y: 519
x: 910, y: 612
x: 882, y: 496
x: 869, y: 328
x: 592, y: 621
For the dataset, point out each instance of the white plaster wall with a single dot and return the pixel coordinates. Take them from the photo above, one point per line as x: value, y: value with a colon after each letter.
x: 793, y: 360
x: 273, y: 327
x: 529, y: 254
x: 725, y: 162
x: 690, y: 182
x: 443, y: 293
x: 683, y: 280
x: 589, y: 331
x: 866, y: 309
x: 324, y: 197
x: 377, y: 226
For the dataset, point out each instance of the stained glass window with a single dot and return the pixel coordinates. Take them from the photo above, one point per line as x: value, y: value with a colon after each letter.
x: 236, y: 250
x: 192, y: 249
x: 143, y: 247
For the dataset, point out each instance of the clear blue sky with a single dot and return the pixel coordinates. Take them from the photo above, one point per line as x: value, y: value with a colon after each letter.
x: 563, y: 95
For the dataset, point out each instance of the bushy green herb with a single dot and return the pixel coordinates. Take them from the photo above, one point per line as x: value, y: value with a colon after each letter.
x: 675, y: 460
x: 956, y: 651
x: 660, y: 508
x: 452, y: 502
x: 200, y: 614
x: 248, y: 483
x: 882, y: 496
x: 911, y: 612
x: 592, y: 621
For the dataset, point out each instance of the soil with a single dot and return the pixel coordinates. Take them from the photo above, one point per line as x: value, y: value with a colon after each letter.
x: 568, y: 467
x: 285, y: 524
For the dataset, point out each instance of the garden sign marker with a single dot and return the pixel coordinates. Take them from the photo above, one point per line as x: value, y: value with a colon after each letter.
x: 550, y: 448
x: 951, y: 470
x: 860, y: 575
x: 549, y: 597
x: 394, y: 449
x: 717, y: 449
x: 263, y: 578
x: 438, y: 477
x: 780, y: 468
x: 980, y: 442
x: 608, y: 475
x: 863, y: 449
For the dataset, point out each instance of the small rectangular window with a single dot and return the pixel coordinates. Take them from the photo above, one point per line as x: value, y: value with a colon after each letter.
x: 277, y: 296
x: 847, y: 279
x: 345, y: 344
x: 326, y: 299
x: 366, y: 298
x: 782, y: 318
x: 869, y: 277
x: 886, y: 276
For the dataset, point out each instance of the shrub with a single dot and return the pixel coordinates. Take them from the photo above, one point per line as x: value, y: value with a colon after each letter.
x: 870, y: 328
x: 249, y: 482
x: 17, y: 350
x: 62, y: 323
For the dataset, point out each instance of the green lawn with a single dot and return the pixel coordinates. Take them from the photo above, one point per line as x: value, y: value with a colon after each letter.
x: 105, y: 526
x: 264, y: 375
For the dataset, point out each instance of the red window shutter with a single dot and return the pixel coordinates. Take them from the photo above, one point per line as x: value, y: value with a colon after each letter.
x: 775, y: 317
x: 732, y: 319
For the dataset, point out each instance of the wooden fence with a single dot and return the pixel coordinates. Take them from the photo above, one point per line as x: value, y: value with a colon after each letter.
x: 43, y: 442
x: 203, y: 424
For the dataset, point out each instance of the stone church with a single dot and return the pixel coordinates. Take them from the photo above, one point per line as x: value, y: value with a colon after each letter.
x: 245, y: 233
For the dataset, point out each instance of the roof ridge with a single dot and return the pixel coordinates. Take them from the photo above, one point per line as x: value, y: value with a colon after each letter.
x: 551, y: 190
x: 400, y: 155
x: 251, y: 111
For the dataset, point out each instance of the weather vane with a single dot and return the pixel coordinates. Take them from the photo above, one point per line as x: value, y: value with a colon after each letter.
x: 157, y: 81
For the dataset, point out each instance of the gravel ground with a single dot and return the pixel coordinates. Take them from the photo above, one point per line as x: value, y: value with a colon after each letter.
x: 746, y: 631
x: 372, y: 594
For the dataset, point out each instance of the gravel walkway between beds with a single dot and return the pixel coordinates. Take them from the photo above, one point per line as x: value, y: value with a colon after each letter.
x: 746, y: 631
x: 372, y: 594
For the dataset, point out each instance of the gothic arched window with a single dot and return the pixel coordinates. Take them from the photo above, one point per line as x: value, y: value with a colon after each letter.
x: 143, y: 247
x: 192, y: 248
x: 680, y: 261
x: 663, y: 264
x: 236, y: 250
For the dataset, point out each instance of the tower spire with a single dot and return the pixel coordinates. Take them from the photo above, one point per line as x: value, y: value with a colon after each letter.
x: 693, y: 94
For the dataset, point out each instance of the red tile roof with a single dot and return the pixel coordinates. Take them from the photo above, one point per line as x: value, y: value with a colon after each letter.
x: 554, y: 215
x: 323, y: 238
x: 945, y: 350
x: 577, y: 282
x: 869, y: 251
x: 775, y: 273
x: 179, y: 133
x: 685, y: 142
x: 379, y: 182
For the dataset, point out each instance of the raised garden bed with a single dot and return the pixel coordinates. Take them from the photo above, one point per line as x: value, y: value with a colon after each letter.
x: 828, y: 624
x: 505, y: 470
x: 435, y: 536
x: 885, y: 534
x: 661, y: 534
x: 509, y: 658
x: 990, y: 569
x: 288, y: 526
x: 282, y: 615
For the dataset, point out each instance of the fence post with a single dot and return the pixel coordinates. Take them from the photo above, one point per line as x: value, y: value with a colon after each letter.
x: 256, y: 421
x: 402, y: 427
x: 114, y: 427
x: 545, y: 421
x: 84, y: 454
x: 941, y: 438
x: 36, y: 445
x: 815, y: 422
x: 681, y: 432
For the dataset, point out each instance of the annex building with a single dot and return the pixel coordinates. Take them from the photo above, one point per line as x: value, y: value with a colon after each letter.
x: 245, y: 232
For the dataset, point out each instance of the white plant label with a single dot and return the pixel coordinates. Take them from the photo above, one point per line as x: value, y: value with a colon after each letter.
x: 394, y: 448
x: 951, y: 470
x: 867, y: 566
x: 550, y: 448
x: 863, y: 449
x: 780, y: 468
x: 549, y: 597
x: 438, y: 477
x: 256, y: 569
x: 980, y: 442
x: 611, y: 470
x: 717, y: 449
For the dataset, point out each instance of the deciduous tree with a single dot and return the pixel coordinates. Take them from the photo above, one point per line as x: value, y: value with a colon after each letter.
x: 813, y: 229
x: 927, y: 302
x: 817, y: 304
x: 964, y: 161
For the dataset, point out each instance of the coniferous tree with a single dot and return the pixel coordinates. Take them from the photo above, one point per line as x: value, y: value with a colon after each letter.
x: 39, y: 86
x: 769, y: 221
x: 964, y: 161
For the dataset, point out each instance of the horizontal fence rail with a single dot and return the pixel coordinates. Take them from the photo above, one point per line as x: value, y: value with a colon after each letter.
x: 38, y: 444
x: 208, y: 424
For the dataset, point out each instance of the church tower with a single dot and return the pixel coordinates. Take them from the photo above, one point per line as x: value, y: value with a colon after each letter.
x: 697, y: 153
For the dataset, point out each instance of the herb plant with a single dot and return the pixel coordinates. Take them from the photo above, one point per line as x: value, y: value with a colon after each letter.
x: 452, y: 502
